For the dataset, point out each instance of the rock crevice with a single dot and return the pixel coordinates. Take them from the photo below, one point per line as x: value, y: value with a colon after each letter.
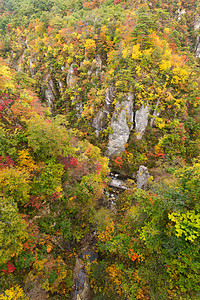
x: 121, y: 124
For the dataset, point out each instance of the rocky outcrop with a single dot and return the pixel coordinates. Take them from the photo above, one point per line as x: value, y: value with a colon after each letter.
x: 156, y: 113
x: 197, y: 28
x: 99, y: 63
x: 80, y: 274
x: 49, y: 97
x: 197, y: 47
x: 117, y: 183
x: 71, y: 77
x: 82, y: 288
x: 60, y: 84
x: 141, y: 121
x: 50, y: 91
x: 100, y: 121
x: 110, y: 94
x: 121, y: 124
x: 71, y: 81
x: 142, y: 178
x: 31, y: 67
x: 181, y: 12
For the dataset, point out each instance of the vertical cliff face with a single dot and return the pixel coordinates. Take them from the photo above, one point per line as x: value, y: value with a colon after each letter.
x: 197, y: 27
x: 156, y: 113
x: 141, y: 121
x: 121, y: 124
x: 85, y: 74
x: 50, y: 91
x: 71, y: 78
x: 101, y: 119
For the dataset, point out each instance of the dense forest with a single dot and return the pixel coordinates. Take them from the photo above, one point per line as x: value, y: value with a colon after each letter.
x: 99, y: 149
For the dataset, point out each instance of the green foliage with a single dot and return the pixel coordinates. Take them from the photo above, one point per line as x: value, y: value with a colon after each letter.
x: 75, y: 53
x: 186, y: 224
x: 158, y: 233
x: 15, y: 182
x: 24, y: 260
x: 48, y: 181
x: 46, y: 225
x: 189, y: 184
x: 179, y: 228
x: 47, y: 137
x: 12, y: 230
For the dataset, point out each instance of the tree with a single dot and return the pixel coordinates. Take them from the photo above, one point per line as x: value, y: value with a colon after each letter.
x: 48, y: 137
x: 15, y: 292
x: 14, y: 182
x: 172, y: 230
x: 12, y: 230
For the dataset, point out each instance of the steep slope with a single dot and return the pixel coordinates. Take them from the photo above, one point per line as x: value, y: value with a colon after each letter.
x: 80, y: 76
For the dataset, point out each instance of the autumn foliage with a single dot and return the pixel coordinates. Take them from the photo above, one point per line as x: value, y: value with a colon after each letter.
x: 66, y: 68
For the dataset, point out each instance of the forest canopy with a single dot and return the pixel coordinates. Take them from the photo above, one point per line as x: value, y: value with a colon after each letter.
x: 90, y: 91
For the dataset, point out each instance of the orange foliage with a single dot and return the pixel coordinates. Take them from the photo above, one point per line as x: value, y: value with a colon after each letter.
x: 143, y: 293
x: 116, y: 276
x: 133, y: 255
x: 118, y: 162
x: 108, y: 233
x: 27, y: 105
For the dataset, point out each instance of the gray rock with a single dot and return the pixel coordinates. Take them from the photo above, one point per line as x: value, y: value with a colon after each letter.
x: 113, y: 208
x: 197, y: 22
x: 99, y: 63
x: 50, y: 92
x: 141, y: 121
x: 117, y: 183
x: 31, y: 68
x: 197, y: 47
x: 122, y: 115
x: 60, y: 85
x: 142, y: 178
x: 110, y: 94
x: 181, y: 12
x: 49, y: 97
x: 71, y: 78
x: 81, y: 280
x: 89, y: 255
x: 100, y: 121
x: 196, y: 28
x: 79, y: 109
x: 156, y: 113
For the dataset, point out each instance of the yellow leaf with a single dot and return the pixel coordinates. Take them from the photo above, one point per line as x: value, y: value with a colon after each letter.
x: 136, y: 53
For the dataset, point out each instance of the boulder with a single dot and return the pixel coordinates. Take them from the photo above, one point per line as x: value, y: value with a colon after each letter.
x: 117, y: 183
x: 142, y: 178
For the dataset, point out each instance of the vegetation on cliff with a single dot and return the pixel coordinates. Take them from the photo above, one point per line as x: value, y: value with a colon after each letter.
x: 66, y: 70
